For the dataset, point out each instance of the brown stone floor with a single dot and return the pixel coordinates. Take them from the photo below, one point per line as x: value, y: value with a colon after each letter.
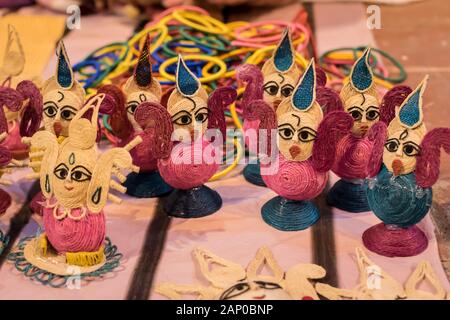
x: 419, y: 35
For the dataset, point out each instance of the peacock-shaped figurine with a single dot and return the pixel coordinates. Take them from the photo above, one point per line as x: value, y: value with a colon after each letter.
x: 273, y: 83
x: 76, y: 181
x: 140, y: 87
x: 22, y: 106
x: 355, y: 151
x: 187, y: 138
x: 307, y: 141
x: 400, y: 195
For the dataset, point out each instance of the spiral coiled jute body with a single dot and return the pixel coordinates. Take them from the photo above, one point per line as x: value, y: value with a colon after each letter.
x: 69, y: 235
x: 189, y: 175
x: 295, y: 180
x: 398, y: 201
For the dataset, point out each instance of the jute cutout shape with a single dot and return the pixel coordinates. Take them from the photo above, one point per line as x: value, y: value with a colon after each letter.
x: 230, y: 281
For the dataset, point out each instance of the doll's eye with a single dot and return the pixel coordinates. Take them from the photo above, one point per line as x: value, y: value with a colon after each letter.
x: 287, y: 90
x: 356, y: 115
x: 182, y: 118
x: 67, y: 114
x: 61, y: 171
x: 267, y: 285
x: 306, y: 135
x: 132, y: 107
x: 411, y: 149
x: 286, y: 133
x: 391, y: 146
x: 201, y: 117
x: 372, y: 115
x: 50, y: 110
x: 235, y: 291
x: 80, y: 174
x: 271, y: 88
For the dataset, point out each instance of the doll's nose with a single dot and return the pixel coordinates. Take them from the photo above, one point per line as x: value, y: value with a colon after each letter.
x: 57, y: 128
x: 399, y: 152
x: 294, y: 151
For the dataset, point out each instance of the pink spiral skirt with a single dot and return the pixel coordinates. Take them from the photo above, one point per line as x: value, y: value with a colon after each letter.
x: 189, y: 165
x: 68, y: 235
x: 352, y: 157
x: 295, y: 180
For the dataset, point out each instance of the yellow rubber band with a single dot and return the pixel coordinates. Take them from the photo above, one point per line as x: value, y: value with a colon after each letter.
x: 212, y: 77
x: 197, y: 21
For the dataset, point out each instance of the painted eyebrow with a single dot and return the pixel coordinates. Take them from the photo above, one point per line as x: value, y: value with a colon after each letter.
x: 202, y: 108
x: 282, y: 78
x: 270, y: 82
x: 373, y: 107
x: 52, y: 103
x: 298, y: 123
x: 179, y: 112
x: 286, y: 124
x: 413, y: 143
x: 308, y: 128
x: 82, y: 167
x: 393, y: 139
x: 355, y: 107
x: 69, y: 107
x: 62, y: 96
x: 132, y: 102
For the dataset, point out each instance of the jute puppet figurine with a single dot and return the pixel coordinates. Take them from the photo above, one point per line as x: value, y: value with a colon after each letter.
x: 401, y: 194
x: 275, y: 82
x: 376, y: 284
x: 230, y: 281
x: 22, y: 106
x: 139, y: 88
x: 76, y: 181
x: 187, y: 140
x: 298, y: 169
x: 63, y: 97
x: 355, y: 151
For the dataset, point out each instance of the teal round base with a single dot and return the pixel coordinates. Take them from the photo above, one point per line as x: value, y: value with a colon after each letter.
x: 252, y: 173
x: 58, y: 281
x: 348, y: 196
x: 146, y: 185
x: 193, y: 203
x: 289, y: 215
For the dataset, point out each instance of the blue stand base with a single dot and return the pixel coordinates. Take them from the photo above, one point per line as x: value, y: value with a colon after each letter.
x: 252, y: 173
x: 193, y: 203
x: 348, y: 196
x: 289, y: 215
x: 146, y: 185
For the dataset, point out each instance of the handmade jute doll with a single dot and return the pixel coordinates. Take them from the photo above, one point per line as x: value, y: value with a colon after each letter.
x: 401, y: 194
x: 76, y: 181
x: 377, y: 284
x: 22, y: 106
x: 307, y: 141
x: 275, y: 82
x: 187, y: 139
x: 354, y: 152
x: 230, y: 281
x: 139, y: 88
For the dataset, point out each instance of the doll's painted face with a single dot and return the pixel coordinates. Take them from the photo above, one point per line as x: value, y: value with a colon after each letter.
x: 60, y: 106
x: 134, y: 99
x: 402, y: 148
x: 189, y: 117
x: 255, y: 290
x: 278, y: 86
x: 365, y: 111
x: 297, y: 132
x: 72, y: 175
